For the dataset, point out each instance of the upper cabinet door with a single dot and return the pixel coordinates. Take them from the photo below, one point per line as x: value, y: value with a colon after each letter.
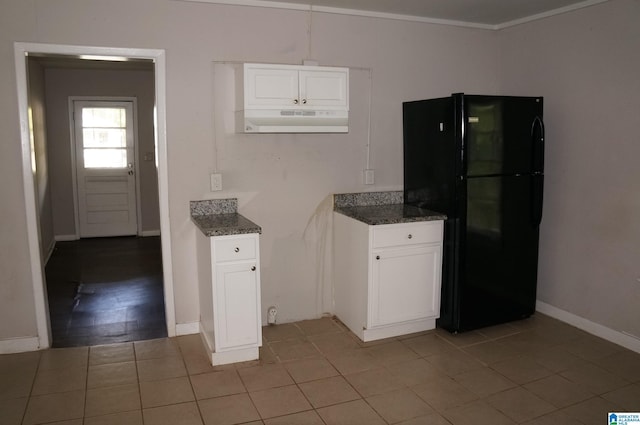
x: 268, y: 88
x: 324, y: 88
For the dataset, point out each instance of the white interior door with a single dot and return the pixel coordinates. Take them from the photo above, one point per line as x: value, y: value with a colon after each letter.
x: 105, y: 168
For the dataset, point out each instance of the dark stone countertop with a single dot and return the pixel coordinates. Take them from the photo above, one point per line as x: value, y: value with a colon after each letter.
x: 225, y: 224
x: 381, y: 208
x: 389, y: 214
x: 219, y: 217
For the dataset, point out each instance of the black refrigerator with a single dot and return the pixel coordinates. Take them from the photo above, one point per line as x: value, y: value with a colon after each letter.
x: 480, y: 160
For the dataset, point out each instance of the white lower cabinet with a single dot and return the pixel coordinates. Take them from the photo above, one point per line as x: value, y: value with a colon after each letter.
x: 387, y: 278
x: 229, y: 276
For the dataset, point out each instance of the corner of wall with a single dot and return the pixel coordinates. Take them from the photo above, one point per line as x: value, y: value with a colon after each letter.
x: 588, y: 326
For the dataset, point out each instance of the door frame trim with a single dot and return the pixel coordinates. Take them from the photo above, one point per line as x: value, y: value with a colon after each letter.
x: 74, y: 164
x: 21, y: 51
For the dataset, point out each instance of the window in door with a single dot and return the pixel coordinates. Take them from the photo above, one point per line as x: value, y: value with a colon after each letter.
x: 104, y: 135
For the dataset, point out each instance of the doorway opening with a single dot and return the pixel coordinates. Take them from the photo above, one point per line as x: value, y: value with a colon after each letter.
x: 101, y: 199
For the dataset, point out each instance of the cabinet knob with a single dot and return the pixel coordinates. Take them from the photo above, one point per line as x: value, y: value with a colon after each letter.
x: 410, y: 236
x: 253, y: 268
x: 304, y: 101
x: 295, y: 101
x: 237, y: 249
x: 377, y: 257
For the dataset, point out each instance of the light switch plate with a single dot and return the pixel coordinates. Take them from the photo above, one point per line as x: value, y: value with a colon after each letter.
x: 368, y: 176
x: 216, y: 182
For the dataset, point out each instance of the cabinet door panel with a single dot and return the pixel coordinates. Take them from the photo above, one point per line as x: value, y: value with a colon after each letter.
x: 271, y: 88
x: 323, y: 88
x: 405, y: 285
x: 236, y: 299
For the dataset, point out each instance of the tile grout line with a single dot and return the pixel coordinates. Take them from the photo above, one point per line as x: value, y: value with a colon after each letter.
x: 323, y: 356
x: 135, y: 361
x: 33, y: 384
x: 86, y: 386
x: 186, y: 368
x: 344, y: 378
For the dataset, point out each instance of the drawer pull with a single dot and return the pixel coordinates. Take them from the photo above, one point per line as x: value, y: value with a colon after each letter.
x: 253, y: 268
x: 410, y: 236
x: 377, y: 257
x: 237, y: 249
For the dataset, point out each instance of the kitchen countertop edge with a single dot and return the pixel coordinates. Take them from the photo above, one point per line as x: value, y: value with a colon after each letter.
x: 375, y: 215
x: 225, y: 224
x: 378, y: 208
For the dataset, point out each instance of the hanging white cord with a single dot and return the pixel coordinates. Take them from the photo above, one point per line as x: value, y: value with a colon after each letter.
x: 309, y: 34
x: 369, y: 119
x: 215, y: 117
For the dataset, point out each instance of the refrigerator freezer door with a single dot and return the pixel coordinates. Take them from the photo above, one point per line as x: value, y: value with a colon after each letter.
x: 499, y: 135
x: 430, y: 155
x: 500, y: 250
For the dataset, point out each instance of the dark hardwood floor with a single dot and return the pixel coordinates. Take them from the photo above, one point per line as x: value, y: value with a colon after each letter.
x: 106, y: 290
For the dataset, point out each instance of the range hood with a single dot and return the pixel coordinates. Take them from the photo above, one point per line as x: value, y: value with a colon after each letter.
x: 293, y: 99
x: 295, y: 121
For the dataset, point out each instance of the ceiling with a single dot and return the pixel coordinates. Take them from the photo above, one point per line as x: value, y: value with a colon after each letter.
x: 489, y: 14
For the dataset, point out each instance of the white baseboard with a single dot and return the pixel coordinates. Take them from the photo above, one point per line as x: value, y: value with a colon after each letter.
x: 146, y: 233
x: 19, y: 345
x: 187, y: 328
x: 593, y: 328
x: 62, y: 238
x: 235, y: 356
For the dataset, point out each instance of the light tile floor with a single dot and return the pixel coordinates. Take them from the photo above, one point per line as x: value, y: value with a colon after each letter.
x: 537, y: 371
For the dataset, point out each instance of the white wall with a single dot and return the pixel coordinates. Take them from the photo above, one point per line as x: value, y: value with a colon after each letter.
x: 282, y: 181
x: 17, y: 311
x: 586, y: 64
x: 40, y: 145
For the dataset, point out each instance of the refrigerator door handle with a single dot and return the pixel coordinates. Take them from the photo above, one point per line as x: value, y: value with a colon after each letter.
x: 537, y: 168
x: 537, y: 188
x: 537, y: 145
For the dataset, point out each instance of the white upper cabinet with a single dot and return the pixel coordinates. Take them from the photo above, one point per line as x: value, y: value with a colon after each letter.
x: 324, y: 89
x: 295, y: 87
x: 270, y: 87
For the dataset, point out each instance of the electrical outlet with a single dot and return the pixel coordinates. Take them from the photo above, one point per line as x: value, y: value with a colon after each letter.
x: 272, y: 314
x: 368, y: 176
x: 216, y: 182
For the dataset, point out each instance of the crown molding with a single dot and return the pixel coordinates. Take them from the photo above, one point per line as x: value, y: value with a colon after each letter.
x: 401, y: 17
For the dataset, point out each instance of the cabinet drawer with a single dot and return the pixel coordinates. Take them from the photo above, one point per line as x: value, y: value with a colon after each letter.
x: 235, y: 249
x: 407, y: 234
